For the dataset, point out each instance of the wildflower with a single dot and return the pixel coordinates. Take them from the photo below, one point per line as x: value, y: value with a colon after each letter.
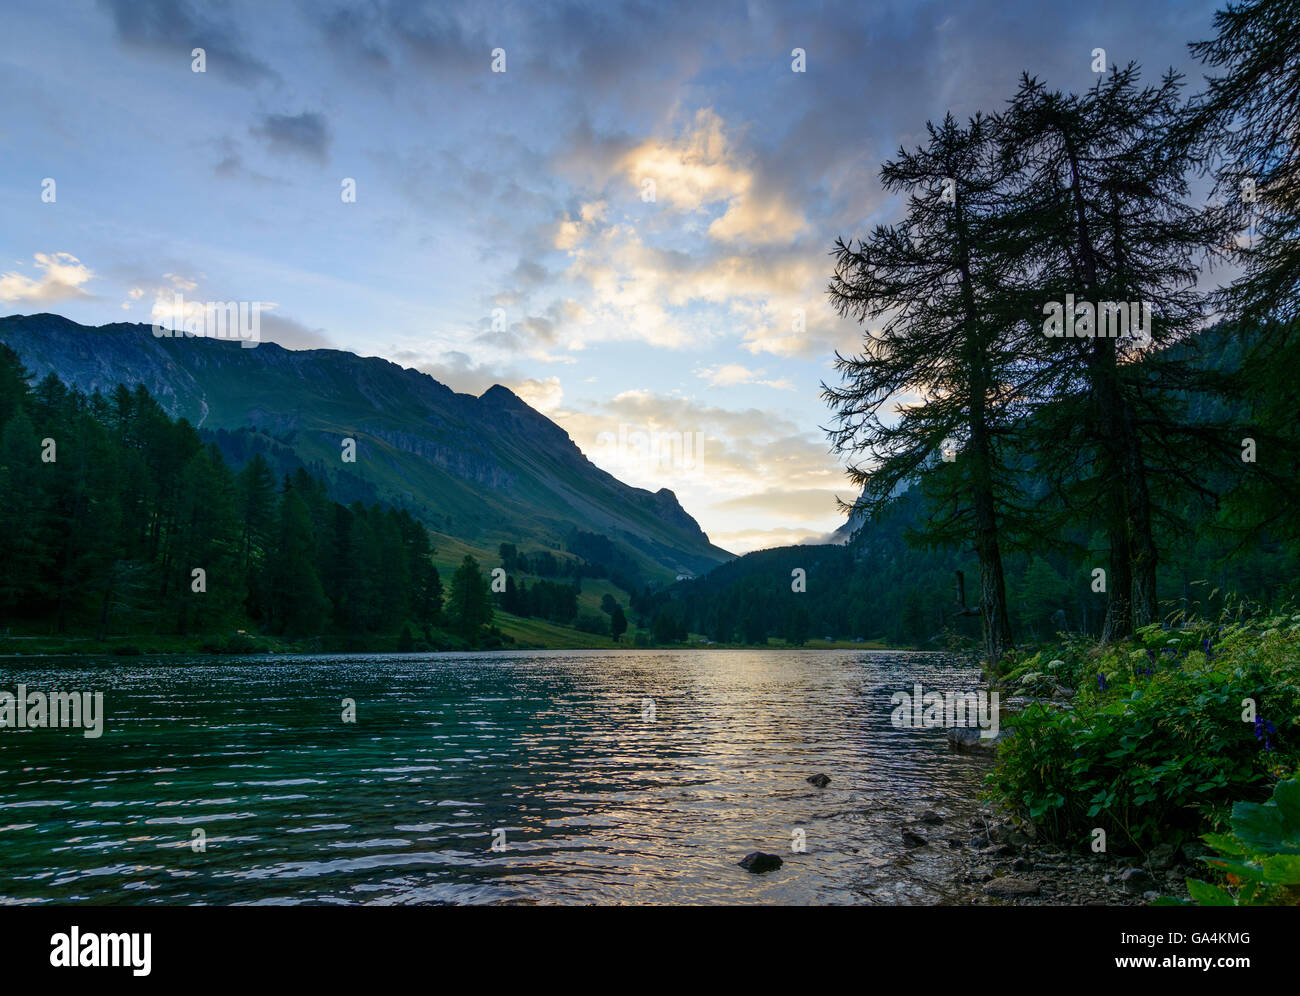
x: 1264, y: 731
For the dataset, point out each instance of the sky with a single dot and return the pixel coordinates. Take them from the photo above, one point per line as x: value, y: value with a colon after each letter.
x: 621, y: 211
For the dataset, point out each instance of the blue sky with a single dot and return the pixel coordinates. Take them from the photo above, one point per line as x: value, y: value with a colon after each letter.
x: 502, y: 230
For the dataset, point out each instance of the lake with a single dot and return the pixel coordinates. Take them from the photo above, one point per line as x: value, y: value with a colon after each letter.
x: 617, y: 777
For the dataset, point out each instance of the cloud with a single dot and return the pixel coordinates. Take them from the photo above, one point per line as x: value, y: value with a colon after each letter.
x: 736, y: 452
x: 544, y: 395
x: 306, y: 134
x: 180, y: 283
x: 529, y: 273
x: 718, y: 253
x: 772, y: 300
x: 730, y: 374
x: 174, y: 28
x: 571, y: 232
x: 352, y: 33
x: 575, y: 50
x: 62, y: 275
x: 292, y: 334
x: 456, y: 369
x: 798, y: 504
x: 701, y: 169
x: 742, y: 541
x: 273, y: 327
x: 230, y: 165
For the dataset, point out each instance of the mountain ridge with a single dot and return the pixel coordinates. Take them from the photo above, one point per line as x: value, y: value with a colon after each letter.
x: 484, y: 469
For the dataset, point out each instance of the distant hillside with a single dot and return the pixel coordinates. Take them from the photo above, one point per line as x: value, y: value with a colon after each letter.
x: 478, y: 471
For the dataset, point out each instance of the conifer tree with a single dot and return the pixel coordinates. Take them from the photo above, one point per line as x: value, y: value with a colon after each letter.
x: 1244, y: 129
x: 928, y: 401
x: 470, y: 602
x: 1101, y: 217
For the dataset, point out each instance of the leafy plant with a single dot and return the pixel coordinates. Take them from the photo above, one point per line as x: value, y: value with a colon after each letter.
x: 1260, y: 857
x: 1157, y: 745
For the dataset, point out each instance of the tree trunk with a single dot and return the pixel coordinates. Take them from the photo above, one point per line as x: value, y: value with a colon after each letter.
x: 993, y: 599
x: 1142, y: 547
x: 1119, y: 585
x: 996, y: 623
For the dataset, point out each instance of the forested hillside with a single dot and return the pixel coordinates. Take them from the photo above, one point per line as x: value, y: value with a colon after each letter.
x: 120, y: 520
x: 477, y: 471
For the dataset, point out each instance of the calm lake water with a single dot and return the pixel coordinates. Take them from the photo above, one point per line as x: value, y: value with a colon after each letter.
x: 599, y: 803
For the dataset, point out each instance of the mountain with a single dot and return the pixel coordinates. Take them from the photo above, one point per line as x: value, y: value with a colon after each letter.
x: 478, y: 471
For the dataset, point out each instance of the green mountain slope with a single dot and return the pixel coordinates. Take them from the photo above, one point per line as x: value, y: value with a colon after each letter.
x: 478, y: 471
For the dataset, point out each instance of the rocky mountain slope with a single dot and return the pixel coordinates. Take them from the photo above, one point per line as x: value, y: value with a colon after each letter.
x: 480, y: 470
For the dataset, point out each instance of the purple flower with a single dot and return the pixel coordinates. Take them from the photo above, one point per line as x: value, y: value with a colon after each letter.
x: 1264, y: 731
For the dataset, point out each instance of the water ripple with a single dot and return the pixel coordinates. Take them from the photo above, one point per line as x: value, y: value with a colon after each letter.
x: 596, y: 804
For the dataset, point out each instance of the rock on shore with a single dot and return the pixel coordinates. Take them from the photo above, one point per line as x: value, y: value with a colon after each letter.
x: 1009, y: 866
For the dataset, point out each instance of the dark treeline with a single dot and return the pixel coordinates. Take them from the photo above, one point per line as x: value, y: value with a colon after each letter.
x: 551, y: 600
x: 1042, y: 302
x: 557, y: 601
x: 593, y: 556
x: 120, y: 520
x: 888, y: 586
x: 1096, y: 436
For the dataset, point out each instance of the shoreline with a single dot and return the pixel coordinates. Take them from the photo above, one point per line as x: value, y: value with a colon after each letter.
x: 130, y: 650
x: 1003, y: 865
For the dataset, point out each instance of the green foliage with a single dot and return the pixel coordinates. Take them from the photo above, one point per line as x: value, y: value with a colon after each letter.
x: 1040, y: 594
x: 593, y: 622
x: 617, y: 623
x: 470, y: 602
x: 877, y: 589
x: 551, y: 600
x: 1259, y: 858
x: 106, y: 537
x: 1155, y: 744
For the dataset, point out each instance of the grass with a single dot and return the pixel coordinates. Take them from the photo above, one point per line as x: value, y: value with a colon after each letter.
x: 538, y: 634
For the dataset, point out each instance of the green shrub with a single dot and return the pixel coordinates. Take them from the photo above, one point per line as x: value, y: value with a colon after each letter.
x: 244, y: 643
x: 1259, y: 859
x: 1155, y: 745
x: 588, y: 622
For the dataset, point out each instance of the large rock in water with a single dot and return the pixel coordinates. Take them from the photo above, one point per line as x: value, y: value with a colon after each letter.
x: 967, y: 738
x: 820, y: 780
x: 758, y: 862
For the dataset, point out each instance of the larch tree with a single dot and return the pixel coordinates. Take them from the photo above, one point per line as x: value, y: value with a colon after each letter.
x: 929, y: 400
x: 1109, y: 248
